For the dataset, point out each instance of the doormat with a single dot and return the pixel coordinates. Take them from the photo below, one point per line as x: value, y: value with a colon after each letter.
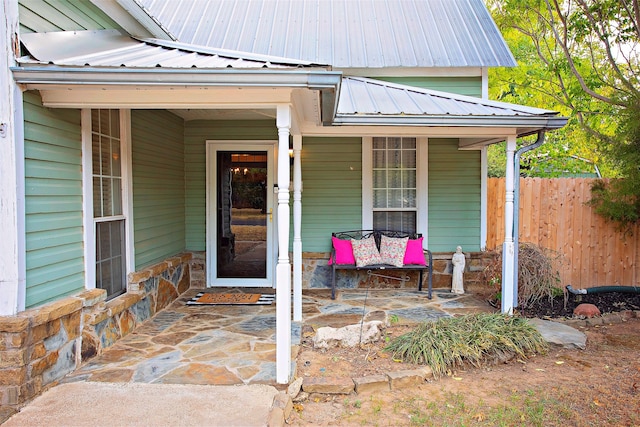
x: 203, y: 298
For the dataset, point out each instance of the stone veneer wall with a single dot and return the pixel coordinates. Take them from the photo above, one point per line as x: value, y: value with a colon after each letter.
x: 40, y: 346
x: 317, y: 274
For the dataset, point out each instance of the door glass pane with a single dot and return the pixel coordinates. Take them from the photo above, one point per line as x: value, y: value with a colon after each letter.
x: 242, y: 214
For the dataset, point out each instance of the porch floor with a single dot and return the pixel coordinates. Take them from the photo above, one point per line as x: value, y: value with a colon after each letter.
x: 224, y: 345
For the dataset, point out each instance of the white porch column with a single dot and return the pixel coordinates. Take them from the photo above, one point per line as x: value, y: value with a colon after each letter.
x: 283, y: 269
x: 12, y: 208
x: 508, y: 247
x: 297, y: 227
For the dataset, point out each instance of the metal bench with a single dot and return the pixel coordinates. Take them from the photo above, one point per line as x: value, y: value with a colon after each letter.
x: 373, y: 270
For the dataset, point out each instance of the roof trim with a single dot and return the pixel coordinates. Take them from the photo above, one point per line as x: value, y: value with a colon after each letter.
x: 544, y: 122
x: 134, y: 18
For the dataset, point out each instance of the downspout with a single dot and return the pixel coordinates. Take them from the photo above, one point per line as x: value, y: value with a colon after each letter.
x: 516, y: 207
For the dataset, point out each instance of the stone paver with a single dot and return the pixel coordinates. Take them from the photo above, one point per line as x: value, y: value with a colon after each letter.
x: 223, y: 345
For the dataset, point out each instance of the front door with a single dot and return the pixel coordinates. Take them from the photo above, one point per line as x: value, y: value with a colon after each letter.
x: 240, y: 214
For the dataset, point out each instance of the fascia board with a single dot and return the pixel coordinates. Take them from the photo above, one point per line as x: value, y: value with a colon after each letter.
x: 543, y: 122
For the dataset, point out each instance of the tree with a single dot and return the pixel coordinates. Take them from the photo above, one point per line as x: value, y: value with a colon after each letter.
x: 581, y: 56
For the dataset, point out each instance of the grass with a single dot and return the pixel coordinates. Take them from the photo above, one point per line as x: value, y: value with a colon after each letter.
x: 533, y: 407
x: 472, y: 339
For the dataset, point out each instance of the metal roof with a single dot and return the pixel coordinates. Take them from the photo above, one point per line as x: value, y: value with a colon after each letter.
x: 110, y: 48
x: 362, y: 96
x: 342, y: 33
x: 365, y: 101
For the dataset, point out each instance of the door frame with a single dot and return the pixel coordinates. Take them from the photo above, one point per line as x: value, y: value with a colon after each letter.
x: 212, y: 148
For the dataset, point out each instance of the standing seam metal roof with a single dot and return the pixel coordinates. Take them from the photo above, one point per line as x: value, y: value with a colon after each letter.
x: 343, y: 33
x: 110, y: 48
x: 362, y: 96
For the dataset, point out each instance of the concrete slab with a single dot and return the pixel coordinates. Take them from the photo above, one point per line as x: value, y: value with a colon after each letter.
x: 559, y: 334
x: 135, y: 404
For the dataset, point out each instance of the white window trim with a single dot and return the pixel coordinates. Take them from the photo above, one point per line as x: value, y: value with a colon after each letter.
x: 422, y: 190
x: 87, y: 192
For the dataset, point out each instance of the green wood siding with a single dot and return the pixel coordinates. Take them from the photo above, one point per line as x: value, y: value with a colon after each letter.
x: 197, y: 132
x: 158, y: 185
x: 332, y: 189
x: 38, y: 16
x: 53, y: 202
x: 454, y: 197
x: 469, y: 86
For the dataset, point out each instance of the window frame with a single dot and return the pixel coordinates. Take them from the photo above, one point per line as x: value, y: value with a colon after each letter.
x: 90, y: 221
x: 422, y: 193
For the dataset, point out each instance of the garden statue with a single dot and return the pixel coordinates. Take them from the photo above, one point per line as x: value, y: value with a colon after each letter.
x: 458, y: 261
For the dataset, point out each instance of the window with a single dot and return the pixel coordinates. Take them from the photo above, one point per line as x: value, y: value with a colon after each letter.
x: 108, y: 215
x: 394, y: 183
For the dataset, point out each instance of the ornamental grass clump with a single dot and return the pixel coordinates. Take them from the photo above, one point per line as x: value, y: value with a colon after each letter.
x: 474, y: 339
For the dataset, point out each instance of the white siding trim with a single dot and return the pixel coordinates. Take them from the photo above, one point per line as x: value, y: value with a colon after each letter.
x: 422, y: 225
x: 422, y: 153
x: 87, y: 201
x: 12, y: 205
x: 367, y: 183
x: 485, y: 83
x: 87, y: 195
x: 484, y: 166
x: 127, y: 187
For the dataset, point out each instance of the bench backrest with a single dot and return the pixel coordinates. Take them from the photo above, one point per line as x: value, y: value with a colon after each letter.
x: 364, y: 234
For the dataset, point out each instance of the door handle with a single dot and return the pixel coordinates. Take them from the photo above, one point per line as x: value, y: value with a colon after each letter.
x: 271, y: 215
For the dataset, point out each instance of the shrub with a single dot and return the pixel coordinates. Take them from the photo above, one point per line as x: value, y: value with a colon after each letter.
x: 451, y: 342
x: 538, y: 275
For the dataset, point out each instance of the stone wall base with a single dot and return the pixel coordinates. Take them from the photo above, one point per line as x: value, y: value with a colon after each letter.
x: 316, y: 274
x: 39, y: 346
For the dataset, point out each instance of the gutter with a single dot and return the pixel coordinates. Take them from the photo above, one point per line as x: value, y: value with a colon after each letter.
x: 516, y: 207
x: 546, y: 122
x: 81, y: 76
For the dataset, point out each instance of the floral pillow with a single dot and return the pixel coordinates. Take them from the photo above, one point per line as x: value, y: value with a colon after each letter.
x: 366, y: 252
x: 392, y: 250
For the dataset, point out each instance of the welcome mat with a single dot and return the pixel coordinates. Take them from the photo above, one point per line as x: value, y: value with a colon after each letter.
x: 203, y: 298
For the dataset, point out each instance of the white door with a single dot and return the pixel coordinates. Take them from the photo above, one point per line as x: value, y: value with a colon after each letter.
x: 240, y: 215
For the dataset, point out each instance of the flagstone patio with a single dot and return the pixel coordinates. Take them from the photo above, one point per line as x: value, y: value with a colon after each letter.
x: 235, y: 344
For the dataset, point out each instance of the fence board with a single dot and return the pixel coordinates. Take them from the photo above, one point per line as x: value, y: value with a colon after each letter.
x: 553, y: 214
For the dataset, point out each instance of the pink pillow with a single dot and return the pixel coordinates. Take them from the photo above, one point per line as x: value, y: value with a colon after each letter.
x: 344, y: 251
x: 414, y: 254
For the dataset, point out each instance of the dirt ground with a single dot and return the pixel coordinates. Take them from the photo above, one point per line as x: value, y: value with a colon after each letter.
x: 597, y: 386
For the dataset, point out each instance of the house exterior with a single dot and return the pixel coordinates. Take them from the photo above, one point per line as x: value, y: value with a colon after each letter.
x: 128, y: 127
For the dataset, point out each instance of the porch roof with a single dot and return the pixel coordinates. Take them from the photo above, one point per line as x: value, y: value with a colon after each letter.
x: 111, y: 48
x: 365, y: 101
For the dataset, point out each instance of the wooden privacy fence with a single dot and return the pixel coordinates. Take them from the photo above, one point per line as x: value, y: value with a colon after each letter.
x: 554, y: 215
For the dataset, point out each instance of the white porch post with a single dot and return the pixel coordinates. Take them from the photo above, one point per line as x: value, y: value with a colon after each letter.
x: 283, y: 269
x: 297, y: 227
x: 508, y: 248
x: 12, y: 207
